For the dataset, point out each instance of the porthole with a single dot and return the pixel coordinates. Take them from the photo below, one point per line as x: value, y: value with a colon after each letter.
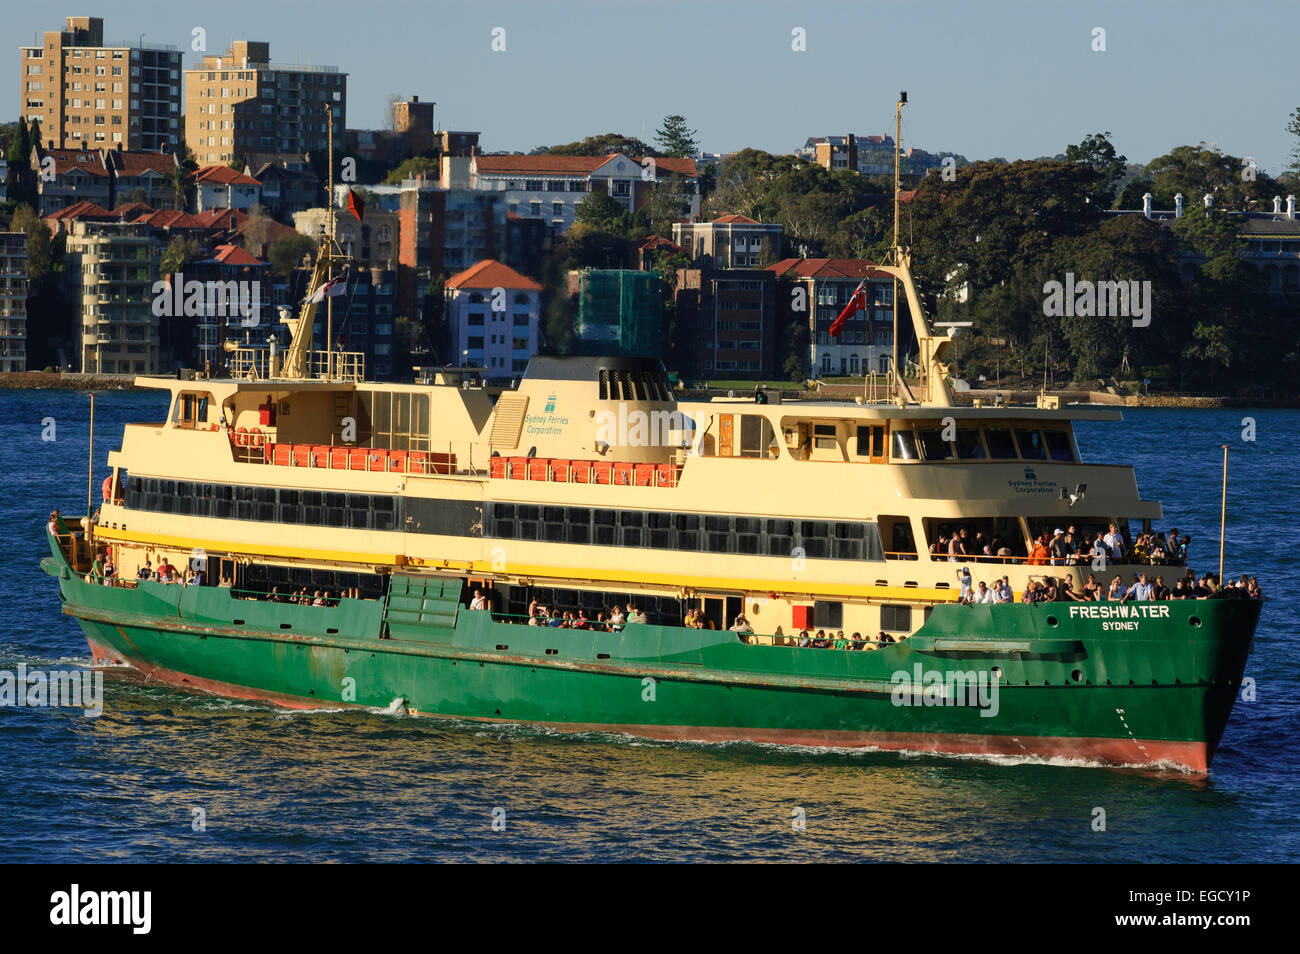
x: 1194, y: 622
x: 1053, y: 621
x: 1077, y: 675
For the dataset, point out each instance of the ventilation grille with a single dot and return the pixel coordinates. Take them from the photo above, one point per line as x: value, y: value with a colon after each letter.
x: 508, y: 421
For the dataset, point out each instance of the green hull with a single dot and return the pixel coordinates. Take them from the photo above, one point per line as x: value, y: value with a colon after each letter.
x: 1150, y: 691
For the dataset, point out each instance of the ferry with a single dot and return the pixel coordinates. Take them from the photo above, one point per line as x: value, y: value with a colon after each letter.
x: 429, y: 523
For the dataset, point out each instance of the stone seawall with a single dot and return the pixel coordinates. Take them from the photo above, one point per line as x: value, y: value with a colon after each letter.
x: 27, y: 380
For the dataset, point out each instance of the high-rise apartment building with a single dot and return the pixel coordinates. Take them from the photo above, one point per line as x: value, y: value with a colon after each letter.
x: 240, y: 103
x: 84, y: 90
x: 13, y: 301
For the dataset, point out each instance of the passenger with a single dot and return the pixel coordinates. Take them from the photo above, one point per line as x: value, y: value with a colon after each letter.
x: 1004, y: 590
x: 532, y: 609
x: 1059, y: 548
x: 821, y: 641
x: 1115, y: 543
x: 999, y: 596
x: 634, y: 614
x: 617, y: 619
x: 1159, y: 590
x: 1050, y: 591
x: 956, y: 547
x: 1117, y: 591
x: 581, y: 621
x: 741, y: 625
x: 317, y: 599
x: 983, y: 594
x: 964, y: 578
x: 885, y: 638
x: 1065, y: 592
x: 858, y: 643
x: 478, y: 602
x: 145, y: 572
x: 274, y: 595
x: 840, y: 642
x: 1039, y: 554
x: 803, y: 641
x: 1092, y: 589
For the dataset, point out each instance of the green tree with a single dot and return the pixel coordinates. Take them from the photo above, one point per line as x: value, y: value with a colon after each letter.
x: 180, y: 250
x: 410, y: 168
x: 600, y: 211
x: 18, y: 185
x: 602, y: 145
x: 676, y: 139
x: 41, y: 258
x: 670, y: 203
x: 287, y: 253
x: 1097, y: 153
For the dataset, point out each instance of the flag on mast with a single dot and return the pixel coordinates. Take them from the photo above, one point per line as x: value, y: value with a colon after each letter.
x: 857, y: 302
x: 355, y: 205
x: 331, y: 289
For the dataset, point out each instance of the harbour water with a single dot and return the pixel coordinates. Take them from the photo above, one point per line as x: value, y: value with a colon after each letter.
x: 342, y: 786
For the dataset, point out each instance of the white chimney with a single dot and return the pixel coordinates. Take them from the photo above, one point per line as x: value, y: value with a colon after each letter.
x: 1290, y: 207
x: 1178, y: 206
x: 1208, y: 201
x: 1146, y: 205
x: 1277, y: 205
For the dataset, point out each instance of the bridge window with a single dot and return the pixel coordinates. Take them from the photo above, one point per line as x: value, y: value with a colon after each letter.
x: 969, y: 445
x: 1031, y: 444
x: 1058, y: 445
x: 904, y: 444
x: 1002, y: 445
x: 932, y: 442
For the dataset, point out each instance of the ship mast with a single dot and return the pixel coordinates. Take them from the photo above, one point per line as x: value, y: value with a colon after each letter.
x: 297, y: 357
x: 896, y: 250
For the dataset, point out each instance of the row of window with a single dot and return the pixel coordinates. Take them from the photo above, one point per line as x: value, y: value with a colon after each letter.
x: 705, y: 533
x: 265, y: 504
x: 988, y: 443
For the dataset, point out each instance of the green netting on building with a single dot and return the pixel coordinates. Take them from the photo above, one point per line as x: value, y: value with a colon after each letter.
x: 620, y: 312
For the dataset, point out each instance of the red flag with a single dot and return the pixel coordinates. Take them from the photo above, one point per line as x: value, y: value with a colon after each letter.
x: 355, y: 205
x: 856, y: 303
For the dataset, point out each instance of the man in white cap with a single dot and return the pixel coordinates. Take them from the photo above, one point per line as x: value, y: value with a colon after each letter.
x: 1059, y: 549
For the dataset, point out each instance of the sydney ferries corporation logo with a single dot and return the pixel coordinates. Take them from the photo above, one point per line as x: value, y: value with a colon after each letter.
x: 546, y: 423
x: 1031, y: 484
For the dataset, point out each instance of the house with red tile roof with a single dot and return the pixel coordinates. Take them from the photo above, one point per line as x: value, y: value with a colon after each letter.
x: 865, y: 343
x: 147, y: 177
x: 221, y: 187
x: 550, y: 187
x: 493, y: 317
x: 83, y: 211
x: 65, y: 177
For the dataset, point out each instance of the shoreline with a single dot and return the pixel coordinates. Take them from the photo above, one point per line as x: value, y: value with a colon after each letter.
x: 47, y: 380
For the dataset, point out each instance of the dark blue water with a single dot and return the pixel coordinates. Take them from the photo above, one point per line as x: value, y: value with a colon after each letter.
x: 354, y: 786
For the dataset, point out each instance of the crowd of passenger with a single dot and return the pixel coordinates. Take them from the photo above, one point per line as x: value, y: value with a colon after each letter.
x: 1066, y: 546
x: 837, y: 640
x: 302, y: 597
x: 1143, y: 587
x: 610, y: 620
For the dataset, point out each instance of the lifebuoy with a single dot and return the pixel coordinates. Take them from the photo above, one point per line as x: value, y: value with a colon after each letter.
x: 106, y: 491
x: 256, y: 435
x: 241, y: 436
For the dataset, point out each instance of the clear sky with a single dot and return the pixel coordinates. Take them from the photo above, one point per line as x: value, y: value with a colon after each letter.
x: 985, y: 79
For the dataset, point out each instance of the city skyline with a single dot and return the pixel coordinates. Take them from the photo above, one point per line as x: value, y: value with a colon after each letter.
x: 1008, y: 81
